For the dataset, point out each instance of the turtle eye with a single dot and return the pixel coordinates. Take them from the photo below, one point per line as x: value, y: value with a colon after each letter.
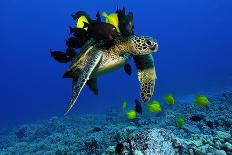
x: 148, y: 42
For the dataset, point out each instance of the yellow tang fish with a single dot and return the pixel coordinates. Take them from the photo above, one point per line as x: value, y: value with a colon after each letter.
x: 111, y: 19
x: 80, y: 22
x: 169, y: 99
x: 124, y: 105
x: 154, y: 106
x: 201, y: 100
x: 180, y: 121
x: 131, y: 114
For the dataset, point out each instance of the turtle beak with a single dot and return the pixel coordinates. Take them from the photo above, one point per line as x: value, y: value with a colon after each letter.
x: 154, y: 47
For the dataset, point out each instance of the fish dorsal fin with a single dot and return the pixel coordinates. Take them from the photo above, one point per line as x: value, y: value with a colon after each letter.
x: 78, y: 14
x: 79, y: 83
x: 98, y: 17
x: 104, y: 14
x: 117, y: 9
x: 146, y: 75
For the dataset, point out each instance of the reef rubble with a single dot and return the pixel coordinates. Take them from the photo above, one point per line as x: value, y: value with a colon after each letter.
x: 209, y: 132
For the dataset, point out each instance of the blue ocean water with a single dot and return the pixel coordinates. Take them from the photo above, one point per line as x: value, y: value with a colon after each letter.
x: 194, y: 54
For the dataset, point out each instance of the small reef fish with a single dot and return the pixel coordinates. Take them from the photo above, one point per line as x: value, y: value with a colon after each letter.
x: 78, y: 32
x: 95, y: 28
x: 138, y: 107
x: 74, y: 42
x: 80, y: 22
x: 61, y: 57
x: 128, y: 69
x: 70, y: 52
x: 169, y: 99
x: 111, y: 19
x: 119, y: 148
x: 124, y: 105
x: 80, y: 36
x: 195, y: 118
x: 131, y: 114
x: 154, y: 106
x: 101, y: 31
x: 81, y: 17
x: 180, y: 121
x: 201, y: 100
x: 126, y: 22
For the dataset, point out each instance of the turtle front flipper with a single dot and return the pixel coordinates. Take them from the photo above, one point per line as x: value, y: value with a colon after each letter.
x: 146, y: 75
x: 79, y: 83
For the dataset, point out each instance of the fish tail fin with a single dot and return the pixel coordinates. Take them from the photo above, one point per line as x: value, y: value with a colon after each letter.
x: 118, y: 29
x: 71, y: 30
x: 104, y: 14
x: 117, y: 9
x: 51, y: 53
x: 85, y: 25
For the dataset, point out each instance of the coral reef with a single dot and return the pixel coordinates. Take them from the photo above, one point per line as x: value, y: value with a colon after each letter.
x: 206, y: 131
x: 153, y: 141
x: 218, y: 143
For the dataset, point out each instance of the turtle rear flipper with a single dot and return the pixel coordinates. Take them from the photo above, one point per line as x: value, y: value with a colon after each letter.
x: 92, y: 83
x: 128, y: 69
x: 146, y: 75
x: 79, y: 83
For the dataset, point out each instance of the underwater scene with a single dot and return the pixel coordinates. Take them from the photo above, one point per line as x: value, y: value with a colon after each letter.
x: 116, y: 77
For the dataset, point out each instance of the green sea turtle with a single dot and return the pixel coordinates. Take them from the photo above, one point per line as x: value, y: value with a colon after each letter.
x: 95, y: 59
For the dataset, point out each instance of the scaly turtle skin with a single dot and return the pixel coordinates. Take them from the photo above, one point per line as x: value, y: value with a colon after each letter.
x: 95, y: 59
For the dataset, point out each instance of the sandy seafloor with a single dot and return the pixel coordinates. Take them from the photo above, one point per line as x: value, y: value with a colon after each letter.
x: 150, y: 133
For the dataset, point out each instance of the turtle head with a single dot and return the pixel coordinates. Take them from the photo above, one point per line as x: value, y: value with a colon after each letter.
x: 144, y: 45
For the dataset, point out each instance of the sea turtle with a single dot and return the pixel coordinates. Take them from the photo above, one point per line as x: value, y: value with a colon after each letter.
x: 95, y: 59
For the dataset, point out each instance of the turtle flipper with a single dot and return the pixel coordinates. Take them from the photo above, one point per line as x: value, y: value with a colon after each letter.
x: 78, y: 83
x: 92, y: 83
x: 73, y: 70
x: 146, y: 75
x: 128, y: 69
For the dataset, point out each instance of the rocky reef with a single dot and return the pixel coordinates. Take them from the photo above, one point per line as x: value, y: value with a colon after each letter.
x: 207, y: 131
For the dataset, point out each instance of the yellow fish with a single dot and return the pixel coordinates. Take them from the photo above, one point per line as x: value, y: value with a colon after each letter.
x: 124, y: 105
x: 111, y: 19
x: 201, y: 100
x: 169, y: 99
x: 154, y: 106
x: 131, y: 114
x: 180, y: 121
x: 80, y: 22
